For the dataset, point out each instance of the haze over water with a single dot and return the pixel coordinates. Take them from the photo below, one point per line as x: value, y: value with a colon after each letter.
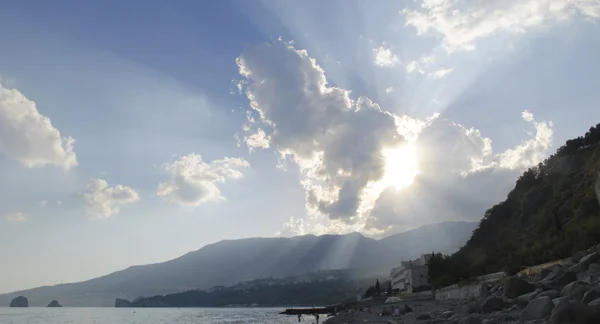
x: 40, y: 315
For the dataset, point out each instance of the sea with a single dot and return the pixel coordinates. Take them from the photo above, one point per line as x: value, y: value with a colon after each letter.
x: 66, y: 315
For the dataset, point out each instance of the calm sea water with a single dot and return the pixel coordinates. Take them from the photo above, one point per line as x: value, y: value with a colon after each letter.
x: 65, y: 315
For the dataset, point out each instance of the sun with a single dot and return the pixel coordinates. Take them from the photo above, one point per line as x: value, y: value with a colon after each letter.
x: 400, y: 166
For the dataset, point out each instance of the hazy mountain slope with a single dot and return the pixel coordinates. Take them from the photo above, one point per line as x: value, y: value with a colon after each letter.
x: 229, y: 262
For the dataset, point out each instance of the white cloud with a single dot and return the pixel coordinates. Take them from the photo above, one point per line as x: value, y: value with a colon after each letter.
x: 337, y: 142
x: 532, y: 151
x: 385, y: 57
x: 460, y: 176
x: 420, y: 65
x: 102, y: 201
x: 193, y: 182
x: 29, y: 137
x: 259, y: 139
x: 461, y: 23
x: 16, y: 218
x: 441, y: 73
x: 389, y: 90
x: 42, y: 202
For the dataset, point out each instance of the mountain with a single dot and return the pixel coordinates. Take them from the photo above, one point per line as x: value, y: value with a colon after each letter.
x: 231, y: 261
x: 552, y: 212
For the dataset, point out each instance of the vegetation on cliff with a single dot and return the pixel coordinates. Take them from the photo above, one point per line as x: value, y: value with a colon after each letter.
x: 551, y: 213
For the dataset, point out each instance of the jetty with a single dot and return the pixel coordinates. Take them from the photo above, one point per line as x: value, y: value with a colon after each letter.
x: 310, y: 311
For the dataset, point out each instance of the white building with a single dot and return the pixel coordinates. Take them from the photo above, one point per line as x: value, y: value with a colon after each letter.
x: 410, y: 274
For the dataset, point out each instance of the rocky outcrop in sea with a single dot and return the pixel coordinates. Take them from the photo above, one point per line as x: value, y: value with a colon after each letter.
x: 19, y: 302
x: 54, y: 303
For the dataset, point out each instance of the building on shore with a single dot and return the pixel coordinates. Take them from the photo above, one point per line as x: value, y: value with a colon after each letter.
x: 410, y: 275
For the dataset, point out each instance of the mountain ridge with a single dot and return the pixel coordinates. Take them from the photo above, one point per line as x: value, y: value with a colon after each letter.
x: 229, y: 262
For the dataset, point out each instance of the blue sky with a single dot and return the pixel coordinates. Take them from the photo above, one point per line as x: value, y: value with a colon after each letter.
x: 133, y: 132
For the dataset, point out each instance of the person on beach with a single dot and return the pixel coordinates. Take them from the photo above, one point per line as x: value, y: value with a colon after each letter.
x: 317, y: 317
x: 299, y: 317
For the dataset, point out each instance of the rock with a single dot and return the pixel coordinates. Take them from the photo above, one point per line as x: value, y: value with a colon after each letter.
x: 591, y: 295
x: 494, y: 289
x: 447, y: 314
x: 537, y: 309
x: 575, y: 290
x: 592, y: 275
x: 54, y: 303
x: 472, y: 307
x: 578, y: 256
x: 122, y: 302
x: 423, y: 317
x: 492, y: 304
x: 555, y: 271
x: 575, y: 313
x: 556, y: 301
x: 514, y: 287
x: 454, y: 318
x: 470, y: 320
x: 545, y: 273
x: 489, y: 321
x: 19, y: 302
x: 526, y: 298
x: 590, y: 258
x: 585, y: 262
x: 549, y: 293
x: 565, y: 278
x: 595, y: 303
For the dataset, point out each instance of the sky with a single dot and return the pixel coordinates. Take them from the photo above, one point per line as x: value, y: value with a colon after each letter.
x: 132, y: 132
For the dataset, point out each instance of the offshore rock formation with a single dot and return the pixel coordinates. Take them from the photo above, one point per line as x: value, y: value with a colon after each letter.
x: 19, y: 302
x: 54, y: 303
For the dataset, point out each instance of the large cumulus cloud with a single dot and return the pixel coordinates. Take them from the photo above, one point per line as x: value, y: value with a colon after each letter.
x: 29, y: 137
x: 339, y: 145
x: 336, y: 141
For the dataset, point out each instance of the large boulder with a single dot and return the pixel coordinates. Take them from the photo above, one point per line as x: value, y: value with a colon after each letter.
x: 526, y: 298
x: 492, y: 304
x: 515, y: 287
x: 122, y: 303
x: 552, y: 273
x: 19, y: 302
x: 549, y: 293
x: 575, y: 290
x: 537, y: 309
x: 563, y: 279
x: 592, y: 275
x: 590, y: 295
x: 470, y: 320
x: 54, y: 303
x: 595, y: 303
x: 578, y: 256
x: 585, y: 262
x: 574, y: 313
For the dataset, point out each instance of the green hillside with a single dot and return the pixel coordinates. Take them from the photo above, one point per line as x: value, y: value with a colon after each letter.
x: 551, y: 213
